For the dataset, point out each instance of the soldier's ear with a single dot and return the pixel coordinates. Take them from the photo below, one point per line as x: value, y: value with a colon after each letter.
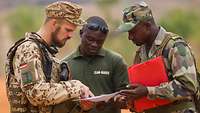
x: 53, y: 24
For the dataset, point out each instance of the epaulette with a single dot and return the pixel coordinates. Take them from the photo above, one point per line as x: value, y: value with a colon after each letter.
x: 174, y: 36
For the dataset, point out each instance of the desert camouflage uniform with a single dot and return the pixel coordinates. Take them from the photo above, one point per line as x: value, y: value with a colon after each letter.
x: 29, y: 85
x: 181, y: 73
x: 29, y: 89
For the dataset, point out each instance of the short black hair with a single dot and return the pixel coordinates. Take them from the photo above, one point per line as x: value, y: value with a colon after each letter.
x: 97, y: 20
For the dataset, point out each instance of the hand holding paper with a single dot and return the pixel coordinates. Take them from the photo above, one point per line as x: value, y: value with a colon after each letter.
x: 104, y: 97
x: 135, y: 91
x: 86, y: 91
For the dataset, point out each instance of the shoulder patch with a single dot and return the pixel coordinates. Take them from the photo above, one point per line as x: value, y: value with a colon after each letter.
x: 27, y: 72
x: 26, y: 77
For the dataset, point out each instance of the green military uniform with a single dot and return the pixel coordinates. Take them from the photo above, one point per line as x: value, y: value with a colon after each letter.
x: 33, y: 73
x: 103, y: 73
x: 181, y: 72
x: 178, y: 60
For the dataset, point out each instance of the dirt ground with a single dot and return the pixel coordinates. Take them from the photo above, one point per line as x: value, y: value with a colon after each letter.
x: 4, y: 106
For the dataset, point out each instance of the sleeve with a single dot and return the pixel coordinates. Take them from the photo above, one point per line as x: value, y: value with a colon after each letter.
x: 120, y: 74
x: 28, y: 67
x: 184, y: 81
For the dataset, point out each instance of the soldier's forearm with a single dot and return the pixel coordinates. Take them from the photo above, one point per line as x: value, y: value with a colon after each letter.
x: 43, y: 94
x: 173, y: 90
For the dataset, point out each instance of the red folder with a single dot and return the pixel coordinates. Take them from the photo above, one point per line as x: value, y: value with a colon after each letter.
x: 150, y: 73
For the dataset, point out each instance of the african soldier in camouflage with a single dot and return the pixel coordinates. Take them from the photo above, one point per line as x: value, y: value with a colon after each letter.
x: 179, y: 62
x: 37, y: 81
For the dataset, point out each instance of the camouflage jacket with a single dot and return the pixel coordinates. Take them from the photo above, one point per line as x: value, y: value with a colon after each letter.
x: 28, y: 89
x: 179, y: 63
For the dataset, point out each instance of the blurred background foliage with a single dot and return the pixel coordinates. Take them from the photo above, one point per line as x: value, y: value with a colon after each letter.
x: 182, y: 22
x: 24, y: 19
x: 106, y: 3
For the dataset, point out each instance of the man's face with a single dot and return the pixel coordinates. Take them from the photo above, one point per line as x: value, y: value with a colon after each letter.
x: 92, y: 41
x: 139, y: 34
x: 62, y: 33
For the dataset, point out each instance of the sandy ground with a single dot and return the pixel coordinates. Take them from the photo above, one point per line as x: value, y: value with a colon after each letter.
x: 4, y: 106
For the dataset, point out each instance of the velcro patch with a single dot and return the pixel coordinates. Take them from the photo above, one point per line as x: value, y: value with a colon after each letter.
x: 27, y: 72
x: 26, y: 77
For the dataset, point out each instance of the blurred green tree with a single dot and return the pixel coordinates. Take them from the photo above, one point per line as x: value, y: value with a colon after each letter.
x: 105, y: 7
x: 106, y: 3
x: 24, y: 19
x: 182, y: 22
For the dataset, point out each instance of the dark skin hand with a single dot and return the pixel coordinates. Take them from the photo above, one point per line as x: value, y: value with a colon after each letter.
x: 135, y: 91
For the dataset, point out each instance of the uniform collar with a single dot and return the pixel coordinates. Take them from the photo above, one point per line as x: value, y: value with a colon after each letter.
x: 78, y: 54
x: 160, y: 36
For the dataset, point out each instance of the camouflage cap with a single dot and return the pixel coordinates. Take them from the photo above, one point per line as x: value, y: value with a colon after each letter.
x: 71, y: 12
x: 133, y: 15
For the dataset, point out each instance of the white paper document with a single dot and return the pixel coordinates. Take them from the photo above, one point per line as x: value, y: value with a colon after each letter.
x: 104, y: 97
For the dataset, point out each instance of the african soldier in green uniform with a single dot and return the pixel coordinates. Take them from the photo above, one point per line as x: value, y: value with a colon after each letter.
x: 102, y: 70
x: 36, y: 80
x: 179, y: 62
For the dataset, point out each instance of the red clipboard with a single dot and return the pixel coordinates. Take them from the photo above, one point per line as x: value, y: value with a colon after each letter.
x: 150, y: 73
